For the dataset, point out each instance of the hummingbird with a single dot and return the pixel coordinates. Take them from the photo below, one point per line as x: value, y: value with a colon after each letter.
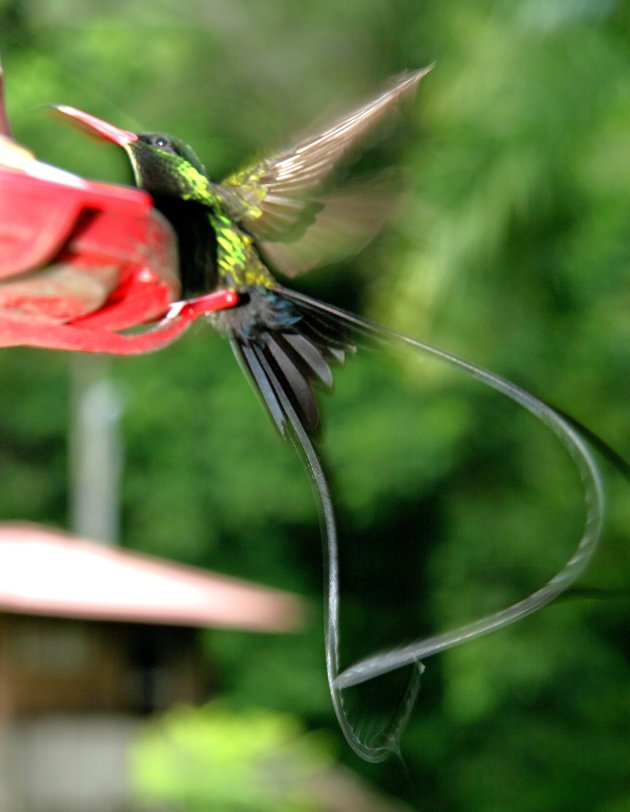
x: 278, y: 216
x: 274, y: 216
x: 281, y: 216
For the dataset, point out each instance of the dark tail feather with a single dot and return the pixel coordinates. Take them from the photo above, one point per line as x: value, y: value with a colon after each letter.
x: 363, y: 331
x: 293, y: 359
x: 298, y: 359
x: 570, y: 432
x: 598, y: 443
x: 250, y: 362
x: 285, y: 362
x: 388, y: 740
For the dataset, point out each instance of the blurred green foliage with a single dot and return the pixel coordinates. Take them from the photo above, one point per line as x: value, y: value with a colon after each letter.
x: 511, y: 249
x: 200, y: 759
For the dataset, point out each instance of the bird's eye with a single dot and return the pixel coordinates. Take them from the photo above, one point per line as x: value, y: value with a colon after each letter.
x: 160, y: 141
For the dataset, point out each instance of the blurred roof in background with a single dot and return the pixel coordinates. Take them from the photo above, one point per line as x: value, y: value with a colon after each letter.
x: 48, y: 572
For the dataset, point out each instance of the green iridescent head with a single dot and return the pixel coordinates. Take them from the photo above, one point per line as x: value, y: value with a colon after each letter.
x: 162, y: 164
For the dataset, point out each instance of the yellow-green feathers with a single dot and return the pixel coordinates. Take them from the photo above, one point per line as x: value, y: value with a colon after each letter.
x: 237, y: 258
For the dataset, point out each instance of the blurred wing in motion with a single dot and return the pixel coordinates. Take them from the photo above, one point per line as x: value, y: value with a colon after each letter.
x: 280, y: 199
x: 345, y: 223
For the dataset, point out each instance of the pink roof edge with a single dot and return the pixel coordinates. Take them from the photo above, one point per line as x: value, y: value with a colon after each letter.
x: 45, y: 571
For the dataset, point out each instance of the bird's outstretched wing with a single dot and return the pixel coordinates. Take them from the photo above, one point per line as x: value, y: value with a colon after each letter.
x: 281, y: 199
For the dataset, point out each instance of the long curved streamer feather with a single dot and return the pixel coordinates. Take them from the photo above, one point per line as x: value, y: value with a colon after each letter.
x: 568, y: 434
x: 390, y: 737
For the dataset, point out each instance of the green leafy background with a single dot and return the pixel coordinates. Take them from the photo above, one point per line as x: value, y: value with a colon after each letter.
x: 511, y: 248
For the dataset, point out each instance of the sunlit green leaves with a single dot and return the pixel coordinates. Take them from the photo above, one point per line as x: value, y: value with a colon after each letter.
x: 213, y: 758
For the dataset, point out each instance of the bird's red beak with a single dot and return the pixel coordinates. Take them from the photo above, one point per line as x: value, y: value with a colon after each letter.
x: 95, y: 126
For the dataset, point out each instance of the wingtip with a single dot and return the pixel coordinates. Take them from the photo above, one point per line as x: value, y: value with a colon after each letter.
x: 408, y: 81
x: 411, y: 78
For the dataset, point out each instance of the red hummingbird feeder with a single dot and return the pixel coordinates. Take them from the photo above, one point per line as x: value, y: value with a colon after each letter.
x: 82, y: 261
